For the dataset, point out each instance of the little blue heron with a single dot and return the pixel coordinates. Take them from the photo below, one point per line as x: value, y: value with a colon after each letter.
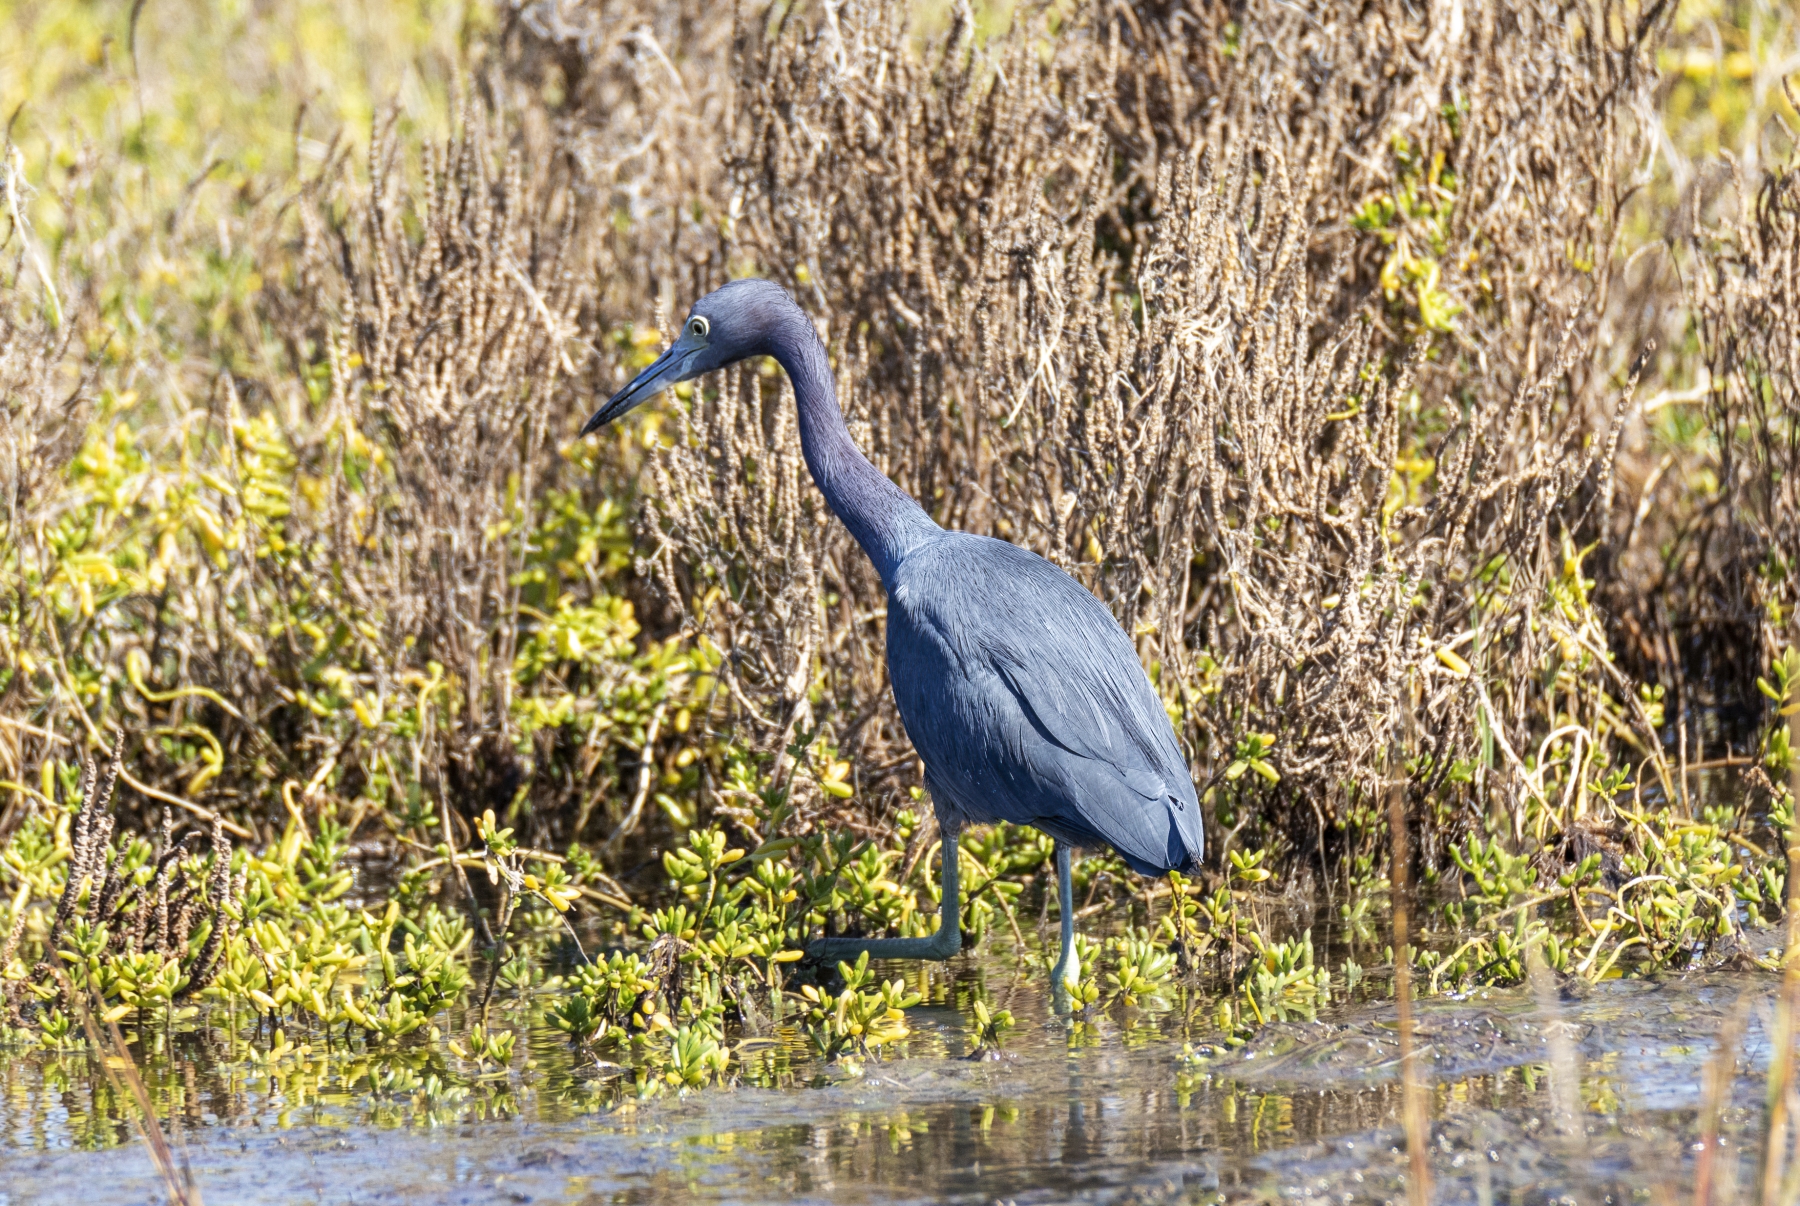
x: 1021, y: 693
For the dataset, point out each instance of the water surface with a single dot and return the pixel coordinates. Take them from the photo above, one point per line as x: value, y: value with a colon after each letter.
x: 1119, y: 1109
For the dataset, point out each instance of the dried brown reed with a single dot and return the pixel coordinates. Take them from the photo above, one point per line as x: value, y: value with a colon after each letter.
x: 128, y: 914
x: 1109, y: 293
x: 383, y: 418
x: 1294, y: 331
x: 1735, y: 571
x: 454, y: 346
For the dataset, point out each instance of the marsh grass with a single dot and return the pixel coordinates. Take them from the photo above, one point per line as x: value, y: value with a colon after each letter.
x: 1412, y: 394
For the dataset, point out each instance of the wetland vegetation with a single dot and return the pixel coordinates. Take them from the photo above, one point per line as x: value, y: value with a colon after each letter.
x: 1417, y: 383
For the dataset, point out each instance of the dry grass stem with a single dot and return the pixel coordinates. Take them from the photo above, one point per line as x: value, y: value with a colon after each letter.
x: 1415, y: 1120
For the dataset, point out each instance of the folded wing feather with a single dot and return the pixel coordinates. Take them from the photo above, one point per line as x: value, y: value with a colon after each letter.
x: 1028, y: 704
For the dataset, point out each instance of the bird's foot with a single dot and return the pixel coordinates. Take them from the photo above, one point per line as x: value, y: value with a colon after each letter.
x: 935, y: 948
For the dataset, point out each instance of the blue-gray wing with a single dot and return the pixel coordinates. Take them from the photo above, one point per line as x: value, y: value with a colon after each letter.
x: 1028, y: 704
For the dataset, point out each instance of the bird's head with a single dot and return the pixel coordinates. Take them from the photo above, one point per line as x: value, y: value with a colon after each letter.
x: 730, y: 324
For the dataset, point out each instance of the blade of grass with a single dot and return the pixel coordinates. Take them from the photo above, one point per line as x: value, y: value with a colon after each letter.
x: 1412, y: 1096
x: 115, y: 1060
x: 1777, y: 1117
x: 1719, y: 1073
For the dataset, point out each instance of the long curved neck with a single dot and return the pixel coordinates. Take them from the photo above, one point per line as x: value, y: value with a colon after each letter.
x: 885, y: 520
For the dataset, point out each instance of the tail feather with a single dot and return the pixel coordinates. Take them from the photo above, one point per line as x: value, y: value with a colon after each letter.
x: 1183, y: 847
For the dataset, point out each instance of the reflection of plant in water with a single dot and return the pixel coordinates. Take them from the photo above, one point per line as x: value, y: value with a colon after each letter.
x: 1358, y: 917
x: 486, y: 1047
x: 1083, y: 1033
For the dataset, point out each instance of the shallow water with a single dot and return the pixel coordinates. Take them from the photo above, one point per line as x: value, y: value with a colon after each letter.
x: 1119, y: 1110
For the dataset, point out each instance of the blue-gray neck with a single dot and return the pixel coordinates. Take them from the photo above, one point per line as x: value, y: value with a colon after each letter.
x: 885, y: 520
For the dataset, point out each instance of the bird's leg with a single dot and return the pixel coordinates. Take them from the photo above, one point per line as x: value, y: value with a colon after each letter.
x: 939, y: 946
x: 1066, y: 975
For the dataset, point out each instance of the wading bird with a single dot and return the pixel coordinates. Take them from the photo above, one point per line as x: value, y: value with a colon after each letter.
x: 1021, y: 693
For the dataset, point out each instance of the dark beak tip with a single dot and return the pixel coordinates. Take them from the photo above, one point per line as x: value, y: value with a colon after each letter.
x: 650, y: 381
x: 600, y: 418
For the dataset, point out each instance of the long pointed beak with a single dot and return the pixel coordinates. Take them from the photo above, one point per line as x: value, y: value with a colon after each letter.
x: 666, y: 371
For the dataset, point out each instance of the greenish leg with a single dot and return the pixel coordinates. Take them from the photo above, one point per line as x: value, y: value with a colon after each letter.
x: 939, y: 946
x: 1067, y: 972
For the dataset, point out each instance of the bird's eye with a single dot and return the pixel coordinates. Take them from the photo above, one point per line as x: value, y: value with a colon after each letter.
x: 698, y: 327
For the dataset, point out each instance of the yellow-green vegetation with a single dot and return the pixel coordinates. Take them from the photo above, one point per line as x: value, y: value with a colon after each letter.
x: 147, y: 933
x: 1435, y: 438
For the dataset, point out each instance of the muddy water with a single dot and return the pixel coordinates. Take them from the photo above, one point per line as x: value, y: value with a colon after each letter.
x: 1120, y: 1110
